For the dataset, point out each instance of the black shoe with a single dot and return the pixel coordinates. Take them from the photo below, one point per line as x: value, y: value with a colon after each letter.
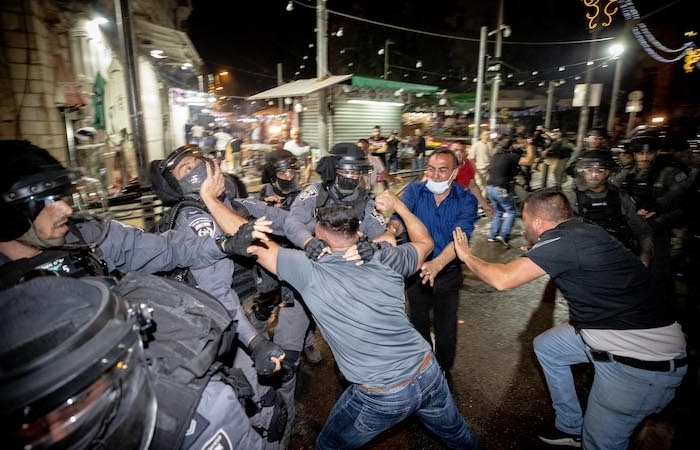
x: 554, y: 436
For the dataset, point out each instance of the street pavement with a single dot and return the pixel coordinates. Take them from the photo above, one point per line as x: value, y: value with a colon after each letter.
x: 498, y: 385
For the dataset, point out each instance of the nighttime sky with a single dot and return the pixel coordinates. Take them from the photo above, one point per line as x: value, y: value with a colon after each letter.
x: 250, y: 37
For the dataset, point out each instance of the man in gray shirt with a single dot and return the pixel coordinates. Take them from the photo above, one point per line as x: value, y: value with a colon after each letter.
x: 360, y: 312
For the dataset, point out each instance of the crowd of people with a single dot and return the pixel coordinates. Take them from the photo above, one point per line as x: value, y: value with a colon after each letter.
x: 379, y: 276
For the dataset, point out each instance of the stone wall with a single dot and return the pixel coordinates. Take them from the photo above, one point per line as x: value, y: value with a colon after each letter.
x: 28, y: 55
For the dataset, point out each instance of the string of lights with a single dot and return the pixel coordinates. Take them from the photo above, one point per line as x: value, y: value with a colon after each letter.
x: 646, y: 39
x: 446, y: 36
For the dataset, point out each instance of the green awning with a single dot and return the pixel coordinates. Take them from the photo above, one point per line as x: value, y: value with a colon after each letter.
x: 389, y: 85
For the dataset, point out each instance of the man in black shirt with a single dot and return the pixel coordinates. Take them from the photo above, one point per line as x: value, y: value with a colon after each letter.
x: 418, y: 150
x: 617, y: 323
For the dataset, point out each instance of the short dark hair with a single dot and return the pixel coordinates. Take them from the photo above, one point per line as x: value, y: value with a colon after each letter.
x: 445, y: 151
x: 363, y: 141
x: 338, y: 219
x: 550, y: 203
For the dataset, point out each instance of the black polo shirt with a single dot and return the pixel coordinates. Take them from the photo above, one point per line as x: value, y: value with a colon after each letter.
x: 605, y: 284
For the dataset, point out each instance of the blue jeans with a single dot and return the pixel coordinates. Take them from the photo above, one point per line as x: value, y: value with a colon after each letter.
x: 417, y: 163
x: 360, y: 415
x: 503, y: 202
x: 621, y: 396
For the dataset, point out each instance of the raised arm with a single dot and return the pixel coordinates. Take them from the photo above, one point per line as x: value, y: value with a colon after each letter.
x: 417, y: 233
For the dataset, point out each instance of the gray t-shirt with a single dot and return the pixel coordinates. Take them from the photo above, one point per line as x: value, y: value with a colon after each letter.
x: 360, y: 311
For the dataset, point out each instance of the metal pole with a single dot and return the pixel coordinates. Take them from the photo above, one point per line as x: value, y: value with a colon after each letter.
x: 550, y: 104
x: 280, y: 101
x: 615, y: 90
x: 630, y: 124
x: 321, y: 72
x: 386, y: 59
x: 479, y: 84
x: 132, y: 86
x: 583, y: 117
x: 493, y: 113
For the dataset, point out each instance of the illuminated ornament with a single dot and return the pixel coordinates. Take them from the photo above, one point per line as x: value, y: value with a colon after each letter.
x: 442, y: 101
x: 290, y: 6
x: 288, y: 100
x: 419, y: 64
x: 595, y: 18
x: 298, y: 107
x: 691, y: 60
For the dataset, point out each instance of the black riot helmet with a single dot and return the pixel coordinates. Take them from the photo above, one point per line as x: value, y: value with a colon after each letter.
x: 166, y: 186
x: 642, y: 143
x: 31, y: 179
x: 281, y: 161
x: 73, y: 374
x: 346, y: 169
x: 596, y: 158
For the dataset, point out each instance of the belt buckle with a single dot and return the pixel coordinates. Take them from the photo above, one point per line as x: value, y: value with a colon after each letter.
x: 600, y: 355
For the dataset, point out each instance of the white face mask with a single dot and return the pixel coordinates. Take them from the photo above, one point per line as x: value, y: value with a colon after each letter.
x: 438, y: 187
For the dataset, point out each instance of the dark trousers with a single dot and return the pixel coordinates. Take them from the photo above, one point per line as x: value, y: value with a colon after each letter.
x: 443, y: 299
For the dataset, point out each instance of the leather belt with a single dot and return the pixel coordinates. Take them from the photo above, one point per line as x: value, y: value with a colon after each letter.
x: 655, y: 366
x: 422, y: 367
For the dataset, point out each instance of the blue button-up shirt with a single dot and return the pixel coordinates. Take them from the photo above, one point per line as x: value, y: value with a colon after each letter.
x: 458, y: 209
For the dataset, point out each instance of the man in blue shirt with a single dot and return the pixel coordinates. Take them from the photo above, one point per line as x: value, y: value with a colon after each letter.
x: 442, y: 206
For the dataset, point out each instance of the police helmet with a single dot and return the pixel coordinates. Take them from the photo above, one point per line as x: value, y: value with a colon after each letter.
x: 191, y: 182
x: 31, y: 179
x: 281, y: 161
x: 73, y: 372
x: 596, y: 158
x: 645, y: 143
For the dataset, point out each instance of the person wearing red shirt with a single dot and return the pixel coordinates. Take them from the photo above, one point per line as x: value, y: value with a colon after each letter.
x: 465, y: 176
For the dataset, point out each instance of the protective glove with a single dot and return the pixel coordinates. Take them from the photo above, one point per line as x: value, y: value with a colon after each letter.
x: 314, y: 248
x: 238, y: 243
x: 262, y: 350
x: 366, y: 249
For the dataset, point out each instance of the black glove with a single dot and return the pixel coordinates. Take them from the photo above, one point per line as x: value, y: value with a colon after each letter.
x: 238, y: 243
x: 366, y: 249
x: 314, y: 248
x: 262, y: 350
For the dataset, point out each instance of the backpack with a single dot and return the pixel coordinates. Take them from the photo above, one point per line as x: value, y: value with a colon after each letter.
x: 191, y: 329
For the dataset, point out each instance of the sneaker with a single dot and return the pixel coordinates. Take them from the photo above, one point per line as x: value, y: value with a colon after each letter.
x: 491, y: 239
x: 312, y: 354
x: 503, y: 241
x: 554, y: 436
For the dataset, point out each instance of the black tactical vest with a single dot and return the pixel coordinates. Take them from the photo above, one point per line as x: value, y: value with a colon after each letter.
x: 606, y: 212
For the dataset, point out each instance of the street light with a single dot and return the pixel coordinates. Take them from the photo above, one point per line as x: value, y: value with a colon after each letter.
x: 616, y: 51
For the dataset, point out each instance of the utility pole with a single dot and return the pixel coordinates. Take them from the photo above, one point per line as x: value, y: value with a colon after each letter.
x: 321, y: 72
x: 583, y: 117
x: 493, y: 112
x: 479, y: 85
x: 550, y: 104
x: 615, y: 91
x: 280, y: 81
x: 387, y: 43
x: 138, y: 129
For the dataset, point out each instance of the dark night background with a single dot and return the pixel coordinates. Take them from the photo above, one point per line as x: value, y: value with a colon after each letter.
x: 249, y: 38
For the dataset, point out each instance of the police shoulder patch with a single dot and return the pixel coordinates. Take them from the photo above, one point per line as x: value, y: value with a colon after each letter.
x: 203, y: 226
x: 680, y: 176
x: 308, y: 192
x: 377, y: 215
x: 220, y: 441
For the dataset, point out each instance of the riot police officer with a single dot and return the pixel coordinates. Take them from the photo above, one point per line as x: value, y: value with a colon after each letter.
x: 41, y: 235
x: 658, y: 193
x: 346, y: 180
x: 594, y: 198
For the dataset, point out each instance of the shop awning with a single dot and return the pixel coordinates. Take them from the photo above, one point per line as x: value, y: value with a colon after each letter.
x: 299, y: 88
x: 389, y: 85
x: 176, y: 45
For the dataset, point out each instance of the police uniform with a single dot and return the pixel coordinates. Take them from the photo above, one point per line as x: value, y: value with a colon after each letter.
x: 661, y: 190
x: 615, y: 211
x: 301, y: 222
